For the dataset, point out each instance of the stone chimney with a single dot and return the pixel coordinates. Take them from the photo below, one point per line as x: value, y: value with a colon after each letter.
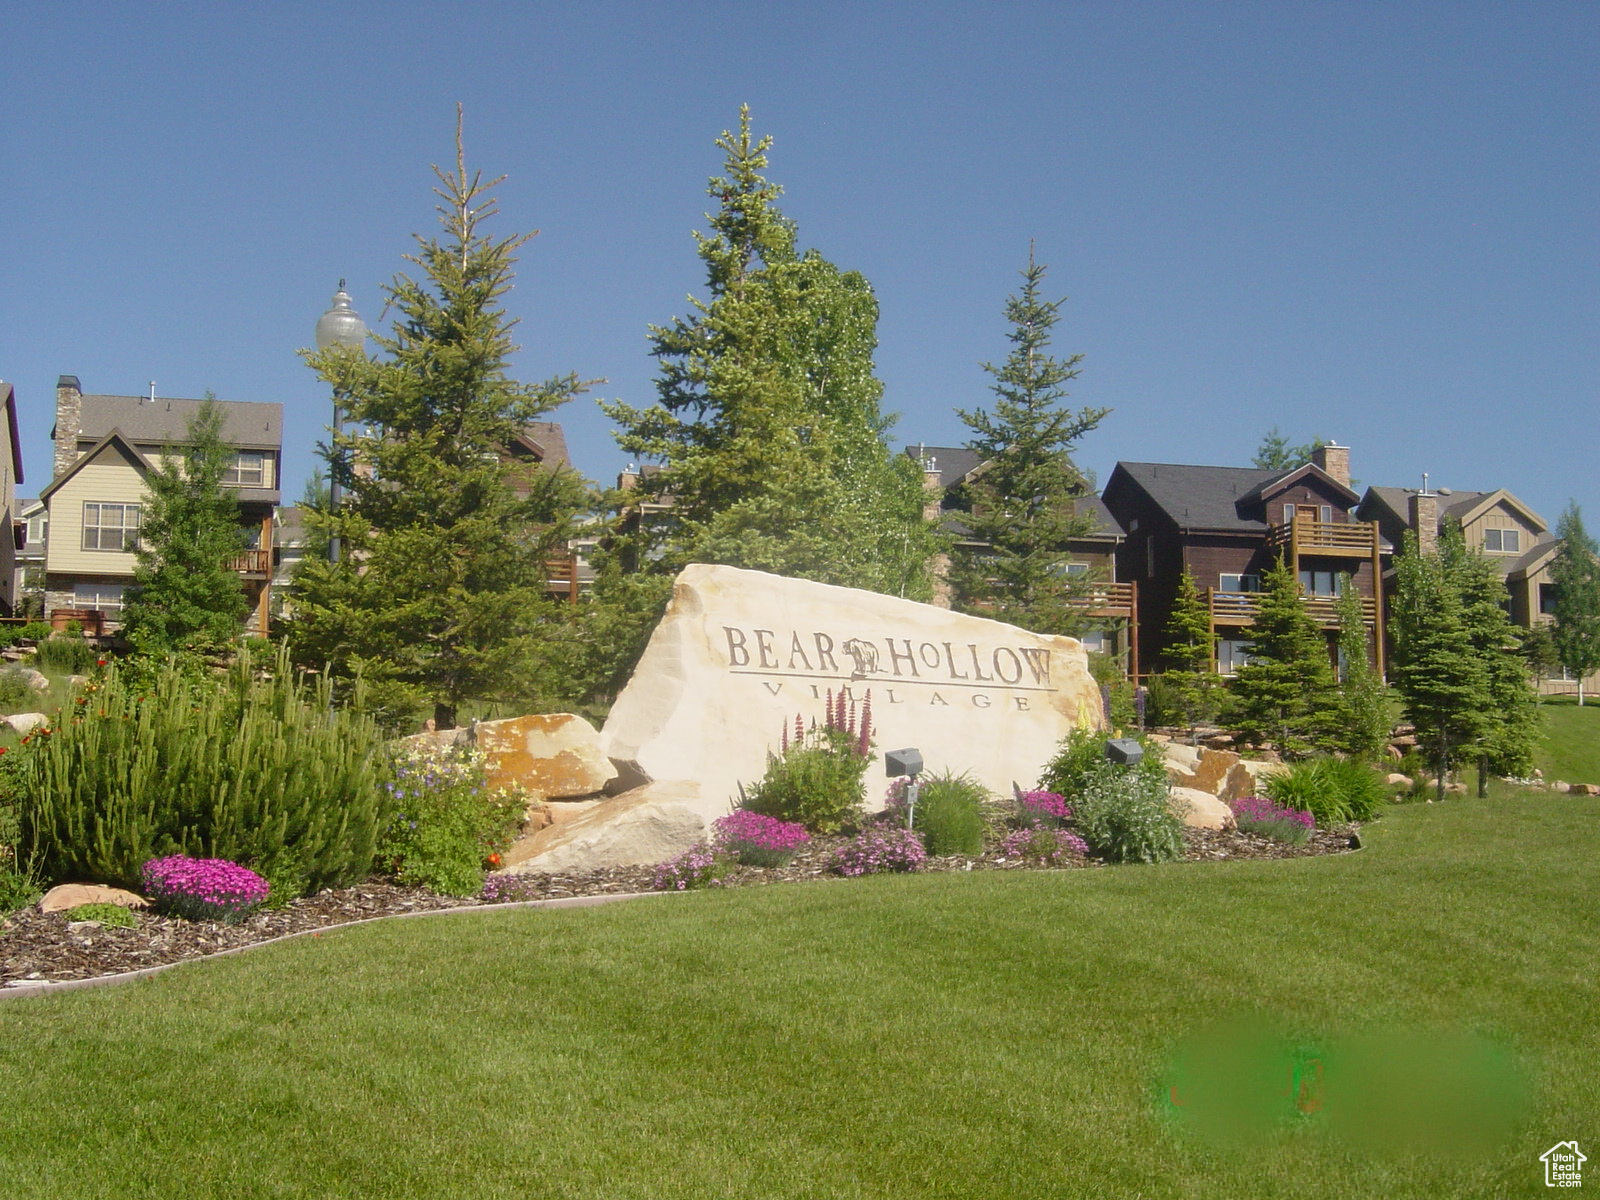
x: 1335, y: 460
x: 1425, y: 520
x: 69, y: 420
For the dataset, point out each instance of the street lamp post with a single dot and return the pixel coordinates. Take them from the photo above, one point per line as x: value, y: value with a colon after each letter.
x: 341, y: 325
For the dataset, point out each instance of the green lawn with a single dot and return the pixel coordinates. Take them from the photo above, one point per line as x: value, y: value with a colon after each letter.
x: 1006, y: 1035
x: 1571, y: 750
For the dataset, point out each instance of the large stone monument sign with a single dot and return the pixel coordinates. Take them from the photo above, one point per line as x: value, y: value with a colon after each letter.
x: 740, y: 653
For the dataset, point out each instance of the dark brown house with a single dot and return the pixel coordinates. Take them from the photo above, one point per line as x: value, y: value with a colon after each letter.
x: 1226, y: 526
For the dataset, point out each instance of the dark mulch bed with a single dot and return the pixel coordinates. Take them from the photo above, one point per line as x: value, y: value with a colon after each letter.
x: 40, y: 947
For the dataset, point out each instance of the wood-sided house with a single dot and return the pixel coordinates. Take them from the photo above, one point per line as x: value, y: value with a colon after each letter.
x: 1226, y: 526
x: 105, y: 449
x: 1108, y: 605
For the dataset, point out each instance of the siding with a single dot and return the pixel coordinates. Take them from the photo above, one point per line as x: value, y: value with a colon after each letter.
x: 110, y: 479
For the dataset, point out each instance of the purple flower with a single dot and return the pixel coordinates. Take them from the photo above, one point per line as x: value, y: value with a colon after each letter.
x: 757, y: 840
x: 1043, y: 808
x: 880, y: 849
x: 1053, y: 847
x: 203, y: 889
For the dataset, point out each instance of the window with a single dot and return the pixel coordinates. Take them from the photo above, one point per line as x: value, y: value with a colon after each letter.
x: 1322, y: 583
x: 1094, y: 642
x: 1150, y: 557
x: 1231, y: 655
x: 107, y: 597
x: 1077, y: 570
x: 1238, y: 583
x: 110, y: 526
x: 247, y: 470
x: 1502, y: 541
x: 1321, y: 512
x: 1547, y: 598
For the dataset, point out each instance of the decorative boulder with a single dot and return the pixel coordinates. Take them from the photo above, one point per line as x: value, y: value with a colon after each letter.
x: 70, y: 895
x: 26, y: 723
x: 649, y: 824
x: 552, y: 756
x: 1202, y: 810
x: 739, y: 654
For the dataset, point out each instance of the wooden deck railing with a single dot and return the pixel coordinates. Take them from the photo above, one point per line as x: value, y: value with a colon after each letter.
x: 1241, y: 608
x: 253, y: 562
x: 1106, y: 600
x: 1306, y: 535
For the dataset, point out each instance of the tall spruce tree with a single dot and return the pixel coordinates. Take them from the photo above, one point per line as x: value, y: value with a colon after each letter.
x: 1023, y: 507
x: 1276, y: 454
x: 1576, y: 575
x: 1286, y: 692
x: 1442, y: 679
x: 186, y: 596
x: 1192, y: 682
x: 768, y: 430
x: 440, y: 595
x: 1510, y: 715
x: 1363, y: 703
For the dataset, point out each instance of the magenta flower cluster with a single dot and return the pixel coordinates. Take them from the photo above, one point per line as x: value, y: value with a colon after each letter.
x: 1053, y: 847
x: 203, y: 889
x: 757, y: 840
x: 1043, y: 807
x: 877, y: 849
x: 701, y: 865
x: 1258, y: 810
x: 507, y: 889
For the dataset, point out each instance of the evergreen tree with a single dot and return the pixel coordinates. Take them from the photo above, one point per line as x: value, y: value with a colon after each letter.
x: 1192, y: 682
x: 1442, y: 680
x: 186, y: 594
x: 768, y: 430
x: 1576, y: 574
x: 1023, y: 506
x: 1276, y: 454
x: 1510, y: 715
x: 1286, y: 692
x: 440, y: 595
x: 1365, y: 723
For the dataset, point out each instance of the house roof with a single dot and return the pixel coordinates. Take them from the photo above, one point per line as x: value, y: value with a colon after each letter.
x: 115, y: 438
x: 954, y: 463
x: 547, y: 441
x: 1460, y: 505
x: 10, y: 394
x: 1210, y: 498
x: 245, y: 423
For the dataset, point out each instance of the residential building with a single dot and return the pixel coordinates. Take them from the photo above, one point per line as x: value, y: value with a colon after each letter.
x: 1225, y: 526
x: 1108, y: 605
x: 12, y: 533
x: 28, y: 584
x: 106, y: 447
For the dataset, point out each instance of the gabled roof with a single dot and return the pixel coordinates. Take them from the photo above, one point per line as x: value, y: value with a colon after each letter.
x: 1463, y: 506
x: 1211, y: 498
x: 1531, y: 561
x: 115, y: 439
x: 954, y: 463
x: 247, y: 424
x: 547, y: 442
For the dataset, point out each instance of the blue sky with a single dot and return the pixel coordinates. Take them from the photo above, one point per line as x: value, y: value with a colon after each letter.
x: 1374, y: 222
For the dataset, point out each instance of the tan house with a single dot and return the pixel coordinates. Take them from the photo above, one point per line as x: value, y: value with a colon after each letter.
x: 105, y: 449
x: 12, y: 532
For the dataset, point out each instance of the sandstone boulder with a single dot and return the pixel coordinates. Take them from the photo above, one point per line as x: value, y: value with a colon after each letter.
x: 649, y: 824
x: 71, y: 895
x: 36, y: 680
x: 551, y: 756
x: 25, y: 723
x: 1201, y: 810
x: 740, y: 653
x: 1397, y: 782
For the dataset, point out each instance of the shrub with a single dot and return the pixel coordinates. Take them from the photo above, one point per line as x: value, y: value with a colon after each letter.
x: 35, y: 631
x: 701, y: 865
x: 15, y: 693
x: 1126, y: 815
x: 253, y: 767
x: 66, y: 654
x: 879, y: 849
x: 1050, y: 847
x: 1043, y: 808
x: 1333, y: 790
x: 949, y: 814
x: 445, y: 820
x: 112, y: 916
x: 1080, y: 757
x: 18, y: 888
x: 759, y: 841
x: 816, y: 778
x: 203, y: 889
x: 1259, y: 815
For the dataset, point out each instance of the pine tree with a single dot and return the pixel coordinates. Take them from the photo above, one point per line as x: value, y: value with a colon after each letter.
x: 1442, y: 680
x: 1363, y: 704
x: 1192, y: 682
x: 1023, y: 505
x: 768, y: 430
x: 1286, y: 692
x: 1276, y: 454
x: 186, y: 596
x: 1576, y: 575
x: 440, y: 596
x: 1510, y: 715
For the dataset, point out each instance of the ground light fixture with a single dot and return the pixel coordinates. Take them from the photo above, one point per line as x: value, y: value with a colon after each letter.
x: 905, y: 764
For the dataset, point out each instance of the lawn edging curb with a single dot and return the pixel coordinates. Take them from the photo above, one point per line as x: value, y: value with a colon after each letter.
x: 45, y: 986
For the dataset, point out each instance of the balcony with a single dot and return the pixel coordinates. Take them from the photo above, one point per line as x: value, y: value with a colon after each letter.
x: 1241, y: 608
x: 253, y: 563
x: 1339, y: 539
x: 1106, y: 600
